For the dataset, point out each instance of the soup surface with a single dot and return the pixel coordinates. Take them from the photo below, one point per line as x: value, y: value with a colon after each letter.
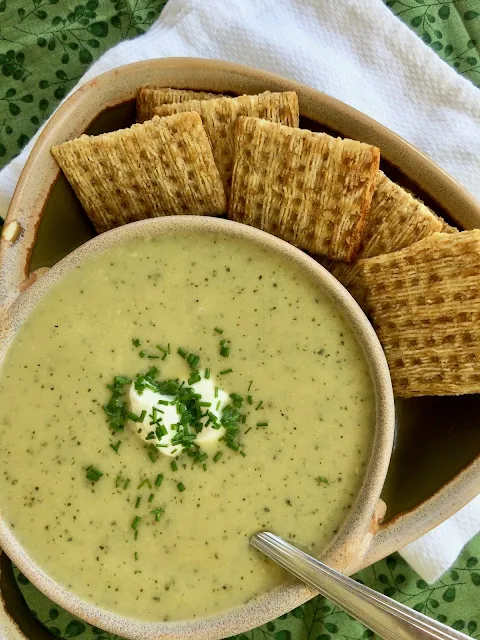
x: 153, y: 537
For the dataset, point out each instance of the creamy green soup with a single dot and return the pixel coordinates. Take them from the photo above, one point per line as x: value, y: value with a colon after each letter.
x: 162, y: 538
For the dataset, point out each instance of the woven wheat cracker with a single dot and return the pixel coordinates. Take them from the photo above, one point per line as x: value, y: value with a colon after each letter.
x: 396, y: 220
x: 150, y: 97
x: 425, y: 305
x: 219, y: 117
x: 164, y: 166
x: 308, y: 188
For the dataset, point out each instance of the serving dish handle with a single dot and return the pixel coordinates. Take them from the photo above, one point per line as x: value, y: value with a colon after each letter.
x: 403, y: 529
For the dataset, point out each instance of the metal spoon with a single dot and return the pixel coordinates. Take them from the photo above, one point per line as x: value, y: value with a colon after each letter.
x: 386, y: 617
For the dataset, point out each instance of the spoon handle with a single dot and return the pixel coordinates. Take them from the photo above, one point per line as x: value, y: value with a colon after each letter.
x: 388, y: 618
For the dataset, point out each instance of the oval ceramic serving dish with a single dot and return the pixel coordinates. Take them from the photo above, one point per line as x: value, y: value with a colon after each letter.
x: 435, y: 468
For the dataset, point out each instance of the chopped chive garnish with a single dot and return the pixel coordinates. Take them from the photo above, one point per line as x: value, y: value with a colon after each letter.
x: 207, y: 374
x: 93, y: 474
x: 218, y: 330
x: 174, y: 465
x: 163, y: 402
x: 153, y: 357
x: 136, y: 342
x: 195, y: 377
x: 193, y: 360
x: 321, y: 480
x: 152, y: 452
x: 217, y: 456
x: 249, y: 399
x: 144, y: 482
x: 136, y: 522
x: 259, y: 405
x: 127, y: 482
x: 159, y: 480
x: 138, y: 501
x: 164, y: 351
x: 134, y: 418
x: 236, y: 400
x: 224, y: 349
x: 262, y: 424
x: 244, y: 419
x: 157, y: 513
x: 182, y: 352
x: 250, y: 385
x: 181, y: 487
x: 118, y: 481
x: 205, y: 404
x: 116, y: 447
x: 151, y: 497
x: 225, y: 371
x: 135, y: 555
x: 168, y: 348
x: 249, y: 429
x: 216, y: 392
x: 135, y: 537
x: 204, y: 467
x: 242, y: 453
x: 142, y: 354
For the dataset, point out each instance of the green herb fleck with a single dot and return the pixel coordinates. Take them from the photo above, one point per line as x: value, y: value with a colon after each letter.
x: 218, y: 330
x: 259, y: 405
x: 116, y: 447
x: 174, y: 465
x: 181, y: 487
x: 321, y: 480
x: 136, y: 342
x: 217, y: 456
x: 138, y: 501
x: 159, y: 480
x: 225, y: 371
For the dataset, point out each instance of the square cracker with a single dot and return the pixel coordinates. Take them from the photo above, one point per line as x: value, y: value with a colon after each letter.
x: 308, y: 188
x: 150, y: 97
x: 219, y: 117
x: 164, y: 167
x: 396, y: 220
x: 425, y: 305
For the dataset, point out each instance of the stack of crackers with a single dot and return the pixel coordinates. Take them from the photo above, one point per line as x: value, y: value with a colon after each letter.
x: 199, y: 153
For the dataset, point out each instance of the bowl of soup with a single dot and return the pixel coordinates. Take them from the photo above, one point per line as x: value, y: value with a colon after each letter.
x: 168, y: 389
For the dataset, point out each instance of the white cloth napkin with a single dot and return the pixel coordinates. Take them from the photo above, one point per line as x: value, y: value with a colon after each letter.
x: 358, y: 52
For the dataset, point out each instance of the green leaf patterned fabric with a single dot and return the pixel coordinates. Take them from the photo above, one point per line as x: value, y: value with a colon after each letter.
x: 45, y: 47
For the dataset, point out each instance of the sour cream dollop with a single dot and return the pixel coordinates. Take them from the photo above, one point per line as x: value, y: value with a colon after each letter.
x: 154, y: 403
